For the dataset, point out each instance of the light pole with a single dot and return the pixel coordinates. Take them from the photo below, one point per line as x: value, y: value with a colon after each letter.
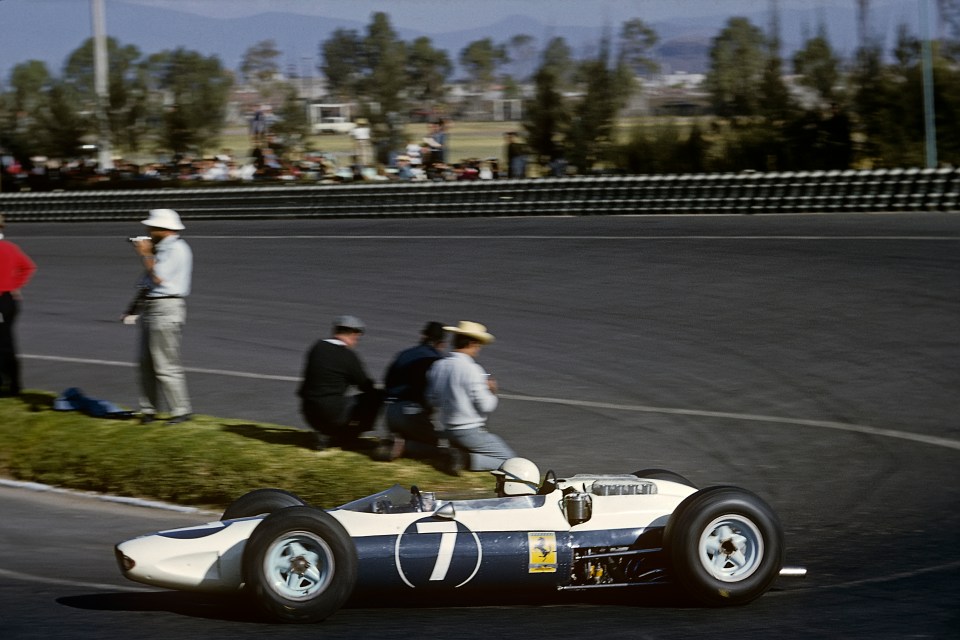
x: 929, y: 121
x: 101, y: 89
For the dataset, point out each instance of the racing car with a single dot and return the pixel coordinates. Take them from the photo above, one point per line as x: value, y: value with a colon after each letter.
x: 721, y: 545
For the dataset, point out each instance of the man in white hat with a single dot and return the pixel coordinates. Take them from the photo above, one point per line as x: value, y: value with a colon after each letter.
x: 464, y: 395
x: 161, y: 303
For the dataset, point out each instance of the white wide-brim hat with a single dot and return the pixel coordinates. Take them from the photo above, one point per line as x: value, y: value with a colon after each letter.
x: 164, y: 219
x: 473, y: 330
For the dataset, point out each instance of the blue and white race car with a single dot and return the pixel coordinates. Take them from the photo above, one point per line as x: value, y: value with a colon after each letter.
x: 721, y: 545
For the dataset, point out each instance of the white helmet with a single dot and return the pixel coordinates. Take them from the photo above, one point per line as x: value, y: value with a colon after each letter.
x: 517, y: 477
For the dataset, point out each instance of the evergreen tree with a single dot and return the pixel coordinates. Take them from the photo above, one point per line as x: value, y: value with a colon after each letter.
x: 545, y: 117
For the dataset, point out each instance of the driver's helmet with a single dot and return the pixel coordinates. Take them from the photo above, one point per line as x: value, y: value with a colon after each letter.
x: 517, y: 477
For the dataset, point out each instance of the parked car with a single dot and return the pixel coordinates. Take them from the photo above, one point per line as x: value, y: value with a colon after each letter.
x: 334, y: 124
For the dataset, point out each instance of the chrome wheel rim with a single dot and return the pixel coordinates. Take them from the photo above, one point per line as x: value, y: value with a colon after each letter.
x: 299, y: 566
x: 731, y: 548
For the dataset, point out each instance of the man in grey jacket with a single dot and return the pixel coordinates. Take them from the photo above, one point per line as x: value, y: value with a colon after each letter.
x: 464, y: 395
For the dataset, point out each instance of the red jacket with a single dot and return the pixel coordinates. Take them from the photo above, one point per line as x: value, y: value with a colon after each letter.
x: 15, y: 267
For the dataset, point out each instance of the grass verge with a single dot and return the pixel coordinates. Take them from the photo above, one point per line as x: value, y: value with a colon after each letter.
x: 207, y: 462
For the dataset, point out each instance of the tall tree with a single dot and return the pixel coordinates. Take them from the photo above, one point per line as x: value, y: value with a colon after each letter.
x: 28, y: 80
x: 818, y: 66
x: 61, y: 124
x: 385, y: 81
x: 775, y: 103
x: 545, y: 117
x: 558, y: 58
x: 196, y: 89
x: 637, y: 40
x: 590, y: 136
x: 522, y: 52
x: 260, y: 67
x: 19, y: 127
x: 427, y: 70
x: 385, y: 61
x: 481, y: 59
x: 292, y: 121
x: 342, y: 55
x: 738, y: 57
x: 127, y: 101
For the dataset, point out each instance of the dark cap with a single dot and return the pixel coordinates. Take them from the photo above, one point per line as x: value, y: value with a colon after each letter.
x: 351, y: 323
x: 433, y: 331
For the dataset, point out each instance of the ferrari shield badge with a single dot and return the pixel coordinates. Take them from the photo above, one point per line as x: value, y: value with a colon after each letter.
x: 542, y: 552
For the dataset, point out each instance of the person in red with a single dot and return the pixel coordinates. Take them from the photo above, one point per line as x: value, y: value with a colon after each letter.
x: 15, y: 270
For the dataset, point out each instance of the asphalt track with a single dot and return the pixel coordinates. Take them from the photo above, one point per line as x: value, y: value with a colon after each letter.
x: 812, y: 359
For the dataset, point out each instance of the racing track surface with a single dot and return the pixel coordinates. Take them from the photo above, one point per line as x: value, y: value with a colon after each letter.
x: 812, y: 359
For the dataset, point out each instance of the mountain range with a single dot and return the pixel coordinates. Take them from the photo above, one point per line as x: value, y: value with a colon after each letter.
x: 51, y: 31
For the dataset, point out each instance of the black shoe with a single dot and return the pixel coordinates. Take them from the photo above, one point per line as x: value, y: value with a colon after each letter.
x: 388, y: 449
x: 453, y: 461
x: 320, y: 442
x: 147, y: 418
x: 175, y: 420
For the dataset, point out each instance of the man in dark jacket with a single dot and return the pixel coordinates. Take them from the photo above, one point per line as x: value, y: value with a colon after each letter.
x: 409, y: 415
x: 407, y: 411
x: 332, y: 368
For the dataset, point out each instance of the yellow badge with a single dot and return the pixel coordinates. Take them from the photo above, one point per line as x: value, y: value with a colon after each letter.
x: 542, y: 548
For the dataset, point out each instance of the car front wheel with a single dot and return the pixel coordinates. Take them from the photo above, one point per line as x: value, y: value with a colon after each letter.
x: 300, y: 565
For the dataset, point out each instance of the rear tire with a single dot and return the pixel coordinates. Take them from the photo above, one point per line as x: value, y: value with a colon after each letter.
x: 725, y: 545
x: 663, y: 474
x: 261, y: 502
x: 300, y: 565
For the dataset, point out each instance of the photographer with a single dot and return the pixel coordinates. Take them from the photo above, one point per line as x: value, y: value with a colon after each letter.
x: 161, y: 303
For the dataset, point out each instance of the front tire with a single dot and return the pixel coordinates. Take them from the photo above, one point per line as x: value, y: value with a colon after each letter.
x: 300, y: 565
x: 260, y: 502
x: 725, y: 545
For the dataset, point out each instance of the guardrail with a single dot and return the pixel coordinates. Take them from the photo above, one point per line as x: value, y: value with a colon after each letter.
x: 880, y: 190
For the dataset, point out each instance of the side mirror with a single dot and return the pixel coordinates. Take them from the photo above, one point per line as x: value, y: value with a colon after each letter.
x: 446, y: 512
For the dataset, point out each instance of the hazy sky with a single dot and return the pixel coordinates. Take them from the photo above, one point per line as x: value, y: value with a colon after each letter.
x: 443, y: 15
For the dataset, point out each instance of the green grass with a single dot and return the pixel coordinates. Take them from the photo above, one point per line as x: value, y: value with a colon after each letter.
x: 208, y: 462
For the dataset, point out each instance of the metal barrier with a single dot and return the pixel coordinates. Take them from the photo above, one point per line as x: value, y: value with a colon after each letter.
x: 881, y: 190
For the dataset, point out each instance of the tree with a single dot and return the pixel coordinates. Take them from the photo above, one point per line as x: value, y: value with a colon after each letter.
x: 590, y: 137
x: 196, y: 89
x: 28, y: 80
x: 428, y: 70
x: 292, y: 121
x: 127, y: 96
x: 522, y: 51
x: 775, y: 103
x: 342, y: 56
x: 738, y: 58
x: 60, y: 124
x: 259, y: 67
x: 874, y: 94
x: 545, y: 116
x: 818, y: 67
x: 19, y: 128
x: 384, y: 81
x: 558, y: 58
x: 637, y: 40
x: 481, y: 59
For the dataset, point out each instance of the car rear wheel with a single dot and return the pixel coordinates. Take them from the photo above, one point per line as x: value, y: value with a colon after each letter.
x: 261, y: 502
x: 725, y: 545
x: 300, y: 565
x: 663, y: 474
